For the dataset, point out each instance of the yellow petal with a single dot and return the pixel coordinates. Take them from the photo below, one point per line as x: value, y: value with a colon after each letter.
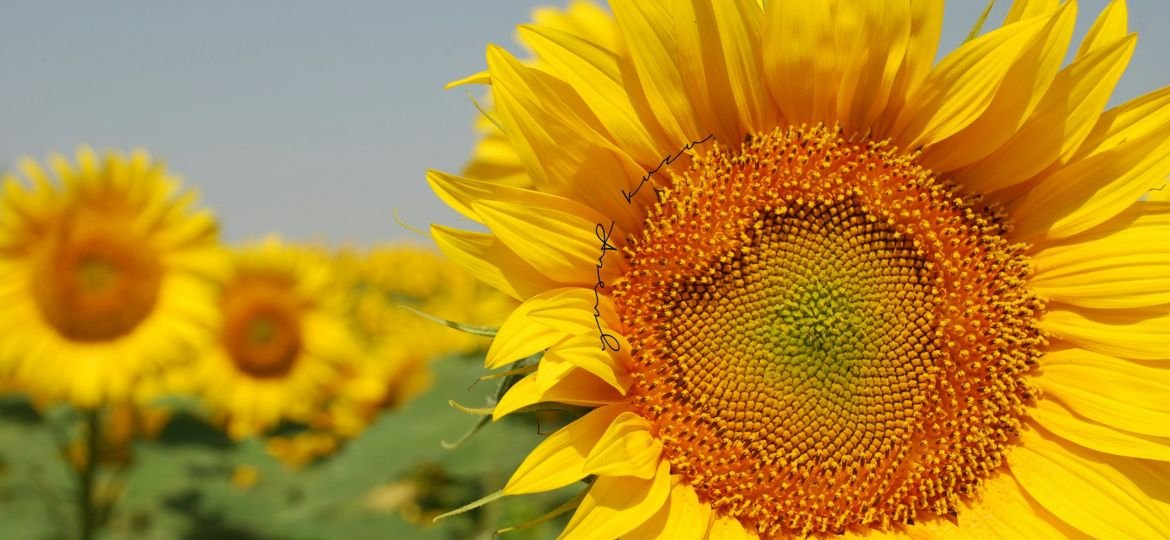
x: 848, y: 62
x: 583, y: 19
x: 491, y: 261
x: 494, y: 159
x: 1144, y: 386
x: 560, y: 139
x: 1153, y: 477
x: 475, y: 78
x: 873, y: 49
x: 576, y: 387
x: 522, y: 336
x: 1124, y: 269
x: 1119, y: 393
x: 1023, y: 9
x: 565, y: 247
x: 579, y: 311
x: 1111, y: 25
x: 1081, y: 488
x: 595, y: 74
x: 651, y: 529
x: 1123, y: 157
x: 648, y: 28
x: 1137, y: 334
x: 799, y: 60
x: 1060, y: 123
x: 627, y: 449
x: 1064, y: 423
x: 727, y: 528
x: 1132, y: 120
x: 1028, y: 78
x: 590, y: 353
x: 616, y: 505
x: 1091, y: 191
x: 683, y: 517
x: 459, y: 193
x: 962, y: 87
x: 549, y: 374
x: 557, y: 461
x: 1003, y: 510
x: 522, y: 116
x: 925, y: 28
x: 1110, y: 29
x: 721, y: 67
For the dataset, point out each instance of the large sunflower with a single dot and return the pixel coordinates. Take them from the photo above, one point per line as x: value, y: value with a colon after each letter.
x: 280, y: 338
x: 102, y: 275
x: 861, y: 293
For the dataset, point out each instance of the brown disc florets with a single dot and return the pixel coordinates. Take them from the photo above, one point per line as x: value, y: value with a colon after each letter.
x: 825, y: 336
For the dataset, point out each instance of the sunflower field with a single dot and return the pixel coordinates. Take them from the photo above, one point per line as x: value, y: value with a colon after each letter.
x: 721, y: 269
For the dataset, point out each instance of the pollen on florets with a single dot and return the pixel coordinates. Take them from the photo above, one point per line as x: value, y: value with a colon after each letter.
x: 825, y: 336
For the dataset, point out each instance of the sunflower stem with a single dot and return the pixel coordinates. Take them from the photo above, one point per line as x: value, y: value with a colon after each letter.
x: 87, y: 476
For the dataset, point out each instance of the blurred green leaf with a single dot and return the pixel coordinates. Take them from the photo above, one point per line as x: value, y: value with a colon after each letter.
x: 180, y: 486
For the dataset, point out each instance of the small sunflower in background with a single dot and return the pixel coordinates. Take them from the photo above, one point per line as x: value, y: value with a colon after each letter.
x: 400, y: 342
x: 808, y: 282
x: 378, y: 381
x: 397, y: 346
x: 384, y: 379
x: 103, y: 275
x: 390, y: 278
x: 279, y: 338
x: 105, y: 289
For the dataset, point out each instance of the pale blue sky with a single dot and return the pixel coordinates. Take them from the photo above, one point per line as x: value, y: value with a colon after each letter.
x: 310, y: 119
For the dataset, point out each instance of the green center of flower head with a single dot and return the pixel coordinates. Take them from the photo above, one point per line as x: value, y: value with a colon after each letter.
x: 261, y: 330
x: 825, y: 336
x: 96, y: 274
x: 827, y: 282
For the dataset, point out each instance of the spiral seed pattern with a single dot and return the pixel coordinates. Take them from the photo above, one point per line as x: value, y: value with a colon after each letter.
x: 825, y: 336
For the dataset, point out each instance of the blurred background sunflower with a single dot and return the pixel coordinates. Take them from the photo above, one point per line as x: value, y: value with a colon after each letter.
x: 104, y: 275
x: 280, y: 338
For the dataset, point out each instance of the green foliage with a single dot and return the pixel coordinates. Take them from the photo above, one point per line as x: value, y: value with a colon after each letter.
x: 388, y: 483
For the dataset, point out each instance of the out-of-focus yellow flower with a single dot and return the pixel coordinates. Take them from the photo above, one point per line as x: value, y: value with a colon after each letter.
x: 387, y: 278
x: 244, y: 477
x: 389, y: 377
x: 9, y: 385
x: 300, y: 449
x: 101, y: 275
x: 400, y: 343
x: 396, y: 345
x: 279, y: 341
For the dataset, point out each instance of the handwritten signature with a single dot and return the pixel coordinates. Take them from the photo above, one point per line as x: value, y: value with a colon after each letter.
x: 665, y: 161
x: 610, y: 341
